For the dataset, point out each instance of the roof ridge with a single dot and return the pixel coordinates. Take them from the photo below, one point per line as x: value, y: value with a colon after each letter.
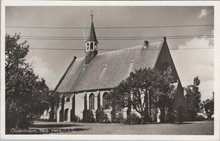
x: 129, y: 48
x: 121, y: 49
x: 144, y: 56
x: 65, y: 73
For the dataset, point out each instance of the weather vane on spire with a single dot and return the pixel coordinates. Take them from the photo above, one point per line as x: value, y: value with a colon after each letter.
x: 92, y: 15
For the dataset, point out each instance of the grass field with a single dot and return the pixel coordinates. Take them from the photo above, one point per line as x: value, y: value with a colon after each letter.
x: 186, y: 128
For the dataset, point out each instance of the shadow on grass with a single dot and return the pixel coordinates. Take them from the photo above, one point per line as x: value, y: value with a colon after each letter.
x: 159, y: 123
x: 182, y: 123
x: 53, y: 125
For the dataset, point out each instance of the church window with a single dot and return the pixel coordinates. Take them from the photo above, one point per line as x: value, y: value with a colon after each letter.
x: 87, y: 46
x: 91, y: 46
x: 66, y: 114
x: 68, y: 99
x: 105, y: 101
x: 91, y: 101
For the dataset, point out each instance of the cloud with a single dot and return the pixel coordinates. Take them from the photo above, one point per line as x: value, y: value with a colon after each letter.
x: 193, y: 60
x: 196, y: 42
x: 41, y: 68
x: 203, y: 13
x: 206, y: 88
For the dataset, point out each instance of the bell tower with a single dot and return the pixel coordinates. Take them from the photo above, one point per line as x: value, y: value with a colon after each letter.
x: 91, y: 44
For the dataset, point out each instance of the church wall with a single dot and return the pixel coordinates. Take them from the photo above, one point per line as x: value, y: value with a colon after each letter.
x: 64, y: 113
x: 180, y: 100
x: 107, y: 111
x: 96, y: 93
x: 79, y: 104
x: 166, y: 58
x: 95, y: 101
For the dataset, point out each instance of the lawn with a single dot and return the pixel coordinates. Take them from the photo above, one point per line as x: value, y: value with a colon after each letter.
x: 186, y: 128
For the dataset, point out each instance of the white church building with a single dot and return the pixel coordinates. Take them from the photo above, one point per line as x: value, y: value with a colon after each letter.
x: 88, y: 80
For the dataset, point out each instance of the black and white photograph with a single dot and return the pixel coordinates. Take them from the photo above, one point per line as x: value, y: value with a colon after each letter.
x: 109, y: 70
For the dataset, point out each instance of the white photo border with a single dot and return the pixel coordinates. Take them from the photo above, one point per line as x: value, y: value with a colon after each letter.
x: 216, y: 5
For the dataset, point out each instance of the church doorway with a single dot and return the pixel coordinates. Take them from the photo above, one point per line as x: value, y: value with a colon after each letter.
x: 73, y: 118
x: 66, y: 115
x: 61, y: 115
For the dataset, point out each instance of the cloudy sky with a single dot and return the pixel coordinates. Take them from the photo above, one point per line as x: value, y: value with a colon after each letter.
x: 192, y: 55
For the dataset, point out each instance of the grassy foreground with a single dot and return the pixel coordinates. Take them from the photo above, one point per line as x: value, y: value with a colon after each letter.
x: 186, y: 128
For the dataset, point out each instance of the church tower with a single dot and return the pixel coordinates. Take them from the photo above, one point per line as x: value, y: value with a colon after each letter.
x: 91, y: 44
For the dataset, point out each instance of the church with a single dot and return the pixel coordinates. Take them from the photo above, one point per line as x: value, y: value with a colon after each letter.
x: 87, y: 81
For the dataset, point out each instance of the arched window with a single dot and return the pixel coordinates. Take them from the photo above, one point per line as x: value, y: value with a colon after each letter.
x: 87, y: 46
x: 68, y: 99
x: 105, y: 101
x: 91, y: 46
x: 66, y: 114
x: 91, y: 101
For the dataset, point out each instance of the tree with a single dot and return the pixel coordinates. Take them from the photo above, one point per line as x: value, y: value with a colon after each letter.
x: 208, y: 105
x: 144, y: 90
x: 193, y: 97
x: 26, y: 94
x: 54, y: 100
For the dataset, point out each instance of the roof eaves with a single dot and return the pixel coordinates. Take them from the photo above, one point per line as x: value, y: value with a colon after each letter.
x: 62, y: 78
x: 161, y: 46
x: 88, y: 90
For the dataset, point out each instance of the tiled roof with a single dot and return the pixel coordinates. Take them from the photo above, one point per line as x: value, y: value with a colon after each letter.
x: 108, y: 69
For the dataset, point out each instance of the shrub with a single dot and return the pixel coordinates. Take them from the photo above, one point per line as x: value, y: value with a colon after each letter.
x: 147, y: 118
x: 119, y: 119
x: 75, y: 118
x: 133, y: 119
x: 101, y: 116
x: 199, y: 118
x: 172, y: 116
x: 88, y: 116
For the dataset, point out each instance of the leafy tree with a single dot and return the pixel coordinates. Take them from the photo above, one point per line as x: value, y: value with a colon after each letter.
x: 144, y: 90
x: 193, y: 97
x: 54, y: 100
x: 208, y: 105
x: 26, y: 94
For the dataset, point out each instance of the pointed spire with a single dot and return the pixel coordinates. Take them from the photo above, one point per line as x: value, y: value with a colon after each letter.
x: 91, y: 15
x: 92, y: 35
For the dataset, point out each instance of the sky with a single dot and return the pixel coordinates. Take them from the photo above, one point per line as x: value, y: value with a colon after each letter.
x: 192, y: 56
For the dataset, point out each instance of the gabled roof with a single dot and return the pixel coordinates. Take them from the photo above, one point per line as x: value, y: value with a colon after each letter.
x: 92, y: 35
x: 108, y: 69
